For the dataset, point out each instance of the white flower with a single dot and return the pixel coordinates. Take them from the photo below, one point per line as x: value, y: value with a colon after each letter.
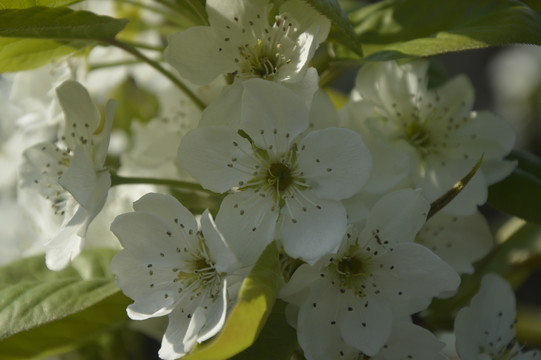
x: 72, y: 174
x: 241, y: 42
x: 410, y: 342
x: 486, y: 329
x: 458, y: 240
x: 278, y: 177
x: 169, y: 267
x: 427, y: 137
x: 347, y: 300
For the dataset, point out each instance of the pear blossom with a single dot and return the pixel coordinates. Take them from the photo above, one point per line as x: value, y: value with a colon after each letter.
x: 485, y: 330
x: 458, y: 240
x: 410, y: 342
x: 347, y: 300
x: 284, y: 182
x: 241, y: 43
x: 170, y: 267
x: 71, y: 174
x: 427, y: 138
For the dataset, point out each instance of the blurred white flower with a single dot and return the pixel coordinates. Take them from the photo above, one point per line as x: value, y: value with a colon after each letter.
x: 71, y: 174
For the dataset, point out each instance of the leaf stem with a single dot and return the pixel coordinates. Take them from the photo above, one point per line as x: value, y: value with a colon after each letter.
x: 156, y: 65
x: 121, y: 180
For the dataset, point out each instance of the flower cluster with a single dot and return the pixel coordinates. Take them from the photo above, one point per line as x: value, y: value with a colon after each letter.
x: 347, y: 196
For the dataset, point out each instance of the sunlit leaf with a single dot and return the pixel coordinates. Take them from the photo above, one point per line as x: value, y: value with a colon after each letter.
x: 256, y: 299
x: 23, y: 4
x: 32, y: 295
x: 394, y: 29
x: 67, y: 333
x: 34, y: 36
x: 277, y: 339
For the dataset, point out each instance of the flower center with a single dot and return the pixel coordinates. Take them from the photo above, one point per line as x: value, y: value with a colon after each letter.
x: 260, y: 61
x: 417, y: 135
x: 350, y: 266
x: 351, y: 271
x: 279, y: 176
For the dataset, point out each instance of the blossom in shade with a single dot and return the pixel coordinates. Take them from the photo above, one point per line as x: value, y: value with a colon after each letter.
x: 427, y: 138
x: 485, y: 330
x: 71, y: 173
x: 348, y: 300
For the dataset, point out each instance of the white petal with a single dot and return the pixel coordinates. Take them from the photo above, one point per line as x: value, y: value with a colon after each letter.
x: 323, y: 114
x: 412, y: 342
x: 169, y: 210
x: 272, y: 115
x: 305, y: 87
x: 367, y: 325
x: 487, y: 323
x: 335, y: 162
x: 225, y: 110
x: 411, y: 275
x: 82, y: 116
x: 195, y: 54
x: 236, y: 12
x: 215, y: 313
x: 307, y: 19
x: 173, y: 346
x: 80, y: 179
x: 458, y: 240
x: 219, y: 249
x: 453, y: 100
x: 396, y: 217
x: 248, y: 222
x: 66, y: 244
x: 485, y: 133
x: 210, y: 155
x: 148, y: 238
x: 317, y: 327
x: 312, y: 227
x: 146, y: 286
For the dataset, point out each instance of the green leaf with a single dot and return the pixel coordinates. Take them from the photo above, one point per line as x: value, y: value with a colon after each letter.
x: 520, y: 193
x: 58, y: 23
x: 277, y: 340
x: 255, y: 302
x: 31, y: 295
x: 134, y: 103
x: 34, y: 36
x: 68, y: 333
x: 23, y: 4
x: 395, y: 29
x: 341, y: 30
